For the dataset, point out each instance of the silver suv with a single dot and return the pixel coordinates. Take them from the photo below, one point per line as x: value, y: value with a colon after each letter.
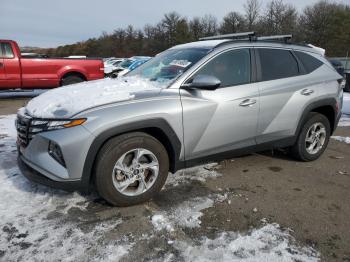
x: 198, y: 102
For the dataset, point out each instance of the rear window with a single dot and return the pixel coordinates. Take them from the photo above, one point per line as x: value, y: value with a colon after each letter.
x: 6, y: 50
x: 277, y: 64
x: 309, y: 62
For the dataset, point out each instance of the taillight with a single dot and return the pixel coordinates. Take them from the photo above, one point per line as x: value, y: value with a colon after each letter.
x: 337, y: 108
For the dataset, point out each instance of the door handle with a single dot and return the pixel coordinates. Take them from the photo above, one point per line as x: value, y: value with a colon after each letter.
x: 247, y: 102
x: 306, y: 92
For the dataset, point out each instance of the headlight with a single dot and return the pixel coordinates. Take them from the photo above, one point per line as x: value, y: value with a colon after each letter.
x: 45, y: 125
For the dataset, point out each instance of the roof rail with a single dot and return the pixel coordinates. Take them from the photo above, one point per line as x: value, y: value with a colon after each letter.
x: 284, y: 38
x: 229, y: 36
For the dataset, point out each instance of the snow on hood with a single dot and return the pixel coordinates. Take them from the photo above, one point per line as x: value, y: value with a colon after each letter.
x: 66, y: 101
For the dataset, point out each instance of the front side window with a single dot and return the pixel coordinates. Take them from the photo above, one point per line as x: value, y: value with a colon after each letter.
x: 277, y: 64
x: 231, y: 68
x: 6, y: 50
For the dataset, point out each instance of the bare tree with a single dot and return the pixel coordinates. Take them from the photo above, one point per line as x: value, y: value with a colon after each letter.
x: 233, y: 22
x: 196, y: 28
x: 210, y: 25
x: 252, y: 12
x: 279, y: 18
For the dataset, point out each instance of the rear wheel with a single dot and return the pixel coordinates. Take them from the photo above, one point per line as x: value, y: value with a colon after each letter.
x: 72, y: 79
x: 313, y: 138
x: 131, y: 169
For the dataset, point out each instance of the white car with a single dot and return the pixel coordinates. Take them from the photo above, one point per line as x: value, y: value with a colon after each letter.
x: 112, y: 64
x: 130, y: 64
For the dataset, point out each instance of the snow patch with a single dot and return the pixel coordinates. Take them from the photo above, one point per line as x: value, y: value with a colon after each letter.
x: 69, y: 100
x: 346, y: 103
x: 114, y: 253
x: 345, y: 139
x: 161, y: 222
x: 268, y: 243
x: 35, y: 220
x: 187, y: 214
x: 344, y: 120
x: 7, y: 126
x: 198, y: 173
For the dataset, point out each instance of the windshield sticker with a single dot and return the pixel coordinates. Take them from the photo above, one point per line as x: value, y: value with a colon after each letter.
x: 180, y: 63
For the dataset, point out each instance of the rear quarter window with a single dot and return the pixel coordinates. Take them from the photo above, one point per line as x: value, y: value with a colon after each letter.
x: 277, y: 64
x: 309, y: 62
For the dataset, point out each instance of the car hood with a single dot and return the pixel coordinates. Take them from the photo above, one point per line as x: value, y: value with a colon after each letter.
x: 64, y: 102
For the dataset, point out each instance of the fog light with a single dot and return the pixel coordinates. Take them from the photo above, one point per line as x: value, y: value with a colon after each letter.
x: 56, y: 153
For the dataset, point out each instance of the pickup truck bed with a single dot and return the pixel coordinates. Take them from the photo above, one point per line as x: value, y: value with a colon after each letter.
x: 18, y: 72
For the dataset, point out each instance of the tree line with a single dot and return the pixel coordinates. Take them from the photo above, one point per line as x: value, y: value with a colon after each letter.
x: 325, y: 24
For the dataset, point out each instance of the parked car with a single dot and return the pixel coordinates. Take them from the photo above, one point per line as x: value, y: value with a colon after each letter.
x: 27, y: 72
x: 346, y: 63
x: 337, y: 65
x: 112, y: 65
x: 107, y: 59
x: 127, y: 64
x: 194, y: 103
x: 133, y: 66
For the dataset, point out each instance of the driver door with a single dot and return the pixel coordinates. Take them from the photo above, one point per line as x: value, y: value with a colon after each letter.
x: 225, y: 119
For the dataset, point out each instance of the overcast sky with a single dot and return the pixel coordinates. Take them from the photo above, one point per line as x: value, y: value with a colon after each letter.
x: 49, y: 23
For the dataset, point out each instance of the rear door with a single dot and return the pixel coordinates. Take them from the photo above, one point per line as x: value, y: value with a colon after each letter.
x: 281, y: 93
x: 224, y: 119
x: 11, y: 67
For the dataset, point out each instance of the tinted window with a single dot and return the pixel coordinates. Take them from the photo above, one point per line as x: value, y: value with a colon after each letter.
x: 276, y: 64
x: 231, y: 68
x: 7, y: 50
x: 309, y: 62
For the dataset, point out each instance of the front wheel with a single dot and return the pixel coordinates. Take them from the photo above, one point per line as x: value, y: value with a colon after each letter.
x: 313, y: 138
x: 131, y: 169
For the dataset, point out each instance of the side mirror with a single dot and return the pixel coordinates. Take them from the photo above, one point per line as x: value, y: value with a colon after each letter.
x: 205, y: 82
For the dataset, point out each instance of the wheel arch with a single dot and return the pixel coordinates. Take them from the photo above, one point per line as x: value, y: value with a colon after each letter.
x: 73, y: 73
x: 158, y: 128
x: 327, y: 107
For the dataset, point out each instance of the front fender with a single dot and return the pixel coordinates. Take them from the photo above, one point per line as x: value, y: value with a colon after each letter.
x: 103, y: 137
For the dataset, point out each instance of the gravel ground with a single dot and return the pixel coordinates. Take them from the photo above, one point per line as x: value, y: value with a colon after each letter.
x: 259, y: 207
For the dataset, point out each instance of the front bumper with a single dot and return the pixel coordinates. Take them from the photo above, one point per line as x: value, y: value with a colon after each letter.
x: 37, y: 177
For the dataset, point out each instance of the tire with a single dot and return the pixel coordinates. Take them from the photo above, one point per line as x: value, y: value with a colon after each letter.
x: 72, y: 79
x: 301, y: 149
x: 123, y: 148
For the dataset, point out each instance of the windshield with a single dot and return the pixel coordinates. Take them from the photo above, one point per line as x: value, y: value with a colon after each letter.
x: 126, y: 63
x: 170, y: 64
x: 117, y: 63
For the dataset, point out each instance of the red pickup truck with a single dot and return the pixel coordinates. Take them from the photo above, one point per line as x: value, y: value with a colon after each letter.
x: 28, y: 73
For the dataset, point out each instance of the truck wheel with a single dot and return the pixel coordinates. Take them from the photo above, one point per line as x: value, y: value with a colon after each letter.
x: 131, y: 169
x: 313, y: 138
x: 69, y: 80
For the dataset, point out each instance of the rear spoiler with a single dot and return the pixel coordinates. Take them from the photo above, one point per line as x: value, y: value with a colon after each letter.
x: 319, y: 50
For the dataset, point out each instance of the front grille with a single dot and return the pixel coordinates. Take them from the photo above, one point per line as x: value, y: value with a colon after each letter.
x: 27, y: 128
